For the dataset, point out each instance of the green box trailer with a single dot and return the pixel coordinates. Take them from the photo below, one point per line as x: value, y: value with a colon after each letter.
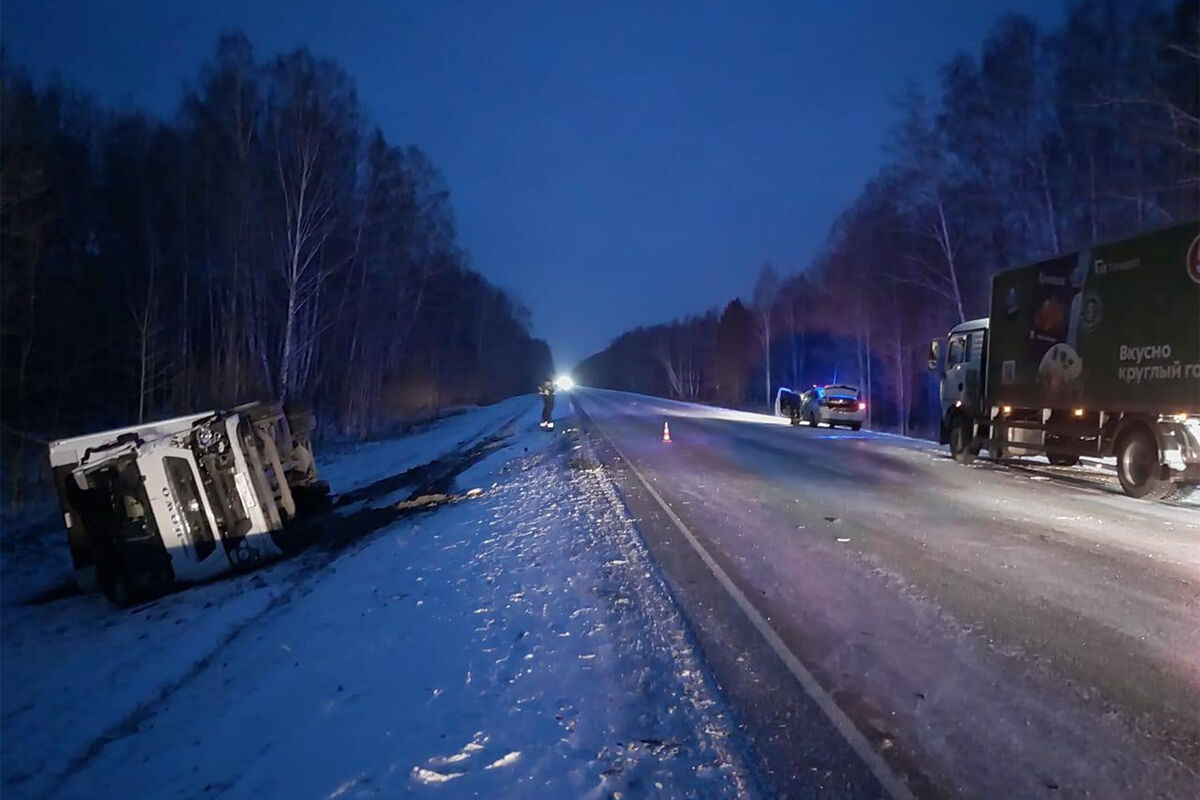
x: 1116, y: 327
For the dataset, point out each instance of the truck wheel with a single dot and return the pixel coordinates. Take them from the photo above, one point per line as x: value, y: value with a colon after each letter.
x: 812, y: 420
x: 1062, y: 460
x: 961, y: 447
x: 855, y: 426
x: 1138, y: 466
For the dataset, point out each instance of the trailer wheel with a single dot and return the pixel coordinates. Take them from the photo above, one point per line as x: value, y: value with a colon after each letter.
x: 1139, y: 468
x: 961, y: 447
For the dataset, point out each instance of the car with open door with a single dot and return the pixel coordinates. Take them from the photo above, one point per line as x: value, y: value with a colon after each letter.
x: 833, y: 405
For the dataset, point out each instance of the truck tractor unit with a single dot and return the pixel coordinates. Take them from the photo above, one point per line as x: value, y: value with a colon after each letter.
x: 183, y: 499
x: 1095, y: 353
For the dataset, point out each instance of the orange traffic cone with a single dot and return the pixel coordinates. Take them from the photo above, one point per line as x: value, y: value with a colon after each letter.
x: 666, y: 433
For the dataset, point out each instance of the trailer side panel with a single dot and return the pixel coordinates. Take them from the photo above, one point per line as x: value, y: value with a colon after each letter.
x: 1115, y: 328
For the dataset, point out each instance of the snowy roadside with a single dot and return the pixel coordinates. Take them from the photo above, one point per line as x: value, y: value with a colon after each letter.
x: 517, y: 643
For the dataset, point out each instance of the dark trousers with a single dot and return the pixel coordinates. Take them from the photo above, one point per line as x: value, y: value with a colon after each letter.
x: 547, y: 407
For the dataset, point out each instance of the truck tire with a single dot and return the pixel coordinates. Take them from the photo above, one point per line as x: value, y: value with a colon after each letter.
x: 961, y: 446
x: 854, y: 426
x: 1139, y: 468
x: 1062, y: 460
x: 812, y: 420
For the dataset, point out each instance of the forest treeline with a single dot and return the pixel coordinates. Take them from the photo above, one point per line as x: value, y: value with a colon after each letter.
x: 1042, y: 142
x: 265, y: 242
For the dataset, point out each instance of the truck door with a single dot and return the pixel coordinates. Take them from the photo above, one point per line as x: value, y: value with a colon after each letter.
x: 960, y: 384
x: 186, y: 520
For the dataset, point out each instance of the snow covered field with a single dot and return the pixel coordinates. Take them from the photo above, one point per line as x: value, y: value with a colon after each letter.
x: 513, y: 641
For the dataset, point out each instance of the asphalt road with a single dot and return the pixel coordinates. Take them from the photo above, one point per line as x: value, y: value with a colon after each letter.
x: 987, y: 631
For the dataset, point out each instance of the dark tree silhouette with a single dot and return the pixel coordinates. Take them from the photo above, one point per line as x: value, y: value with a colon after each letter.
x: 265, y: 243
x: 1040, y: 143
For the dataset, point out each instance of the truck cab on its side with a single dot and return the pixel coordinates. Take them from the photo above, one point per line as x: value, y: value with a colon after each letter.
x: 183, y: 499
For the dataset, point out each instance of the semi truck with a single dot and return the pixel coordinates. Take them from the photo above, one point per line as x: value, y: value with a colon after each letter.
x: 1094, y: 353
x: 184, y: 499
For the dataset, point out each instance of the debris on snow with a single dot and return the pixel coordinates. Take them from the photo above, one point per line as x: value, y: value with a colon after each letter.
x: 428, y: 776
x: 505, y: 761
x: 424, y: 501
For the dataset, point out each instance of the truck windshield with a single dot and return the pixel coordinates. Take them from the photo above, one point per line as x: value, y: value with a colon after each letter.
x: 190, y: 505
x: 114, y: 505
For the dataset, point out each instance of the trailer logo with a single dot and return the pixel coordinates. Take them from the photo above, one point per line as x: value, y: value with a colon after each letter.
x: 1193, y: 260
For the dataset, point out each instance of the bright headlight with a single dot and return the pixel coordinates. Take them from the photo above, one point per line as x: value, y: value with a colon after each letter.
x: 564, y: 383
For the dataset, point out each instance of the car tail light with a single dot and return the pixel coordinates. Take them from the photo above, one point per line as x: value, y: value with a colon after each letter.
x: 862, y: 406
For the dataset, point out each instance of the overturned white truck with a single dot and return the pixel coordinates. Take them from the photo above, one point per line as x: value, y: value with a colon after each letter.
x: 183, y: 499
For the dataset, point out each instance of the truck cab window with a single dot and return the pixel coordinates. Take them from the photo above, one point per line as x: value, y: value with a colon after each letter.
x: 956, y: 352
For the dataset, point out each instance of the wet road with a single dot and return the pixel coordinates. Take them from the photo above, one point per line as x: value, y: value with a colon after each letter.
x: 987, y: 631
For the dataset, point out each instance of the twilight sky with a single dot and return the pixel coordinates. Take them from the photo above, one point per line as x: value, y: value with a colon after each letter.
x: 611, y: 164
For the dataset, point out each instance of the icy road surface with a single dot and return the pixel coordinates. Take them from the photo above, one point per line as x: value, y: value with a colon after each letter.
x: 991, y: 632
x: 516, y: 642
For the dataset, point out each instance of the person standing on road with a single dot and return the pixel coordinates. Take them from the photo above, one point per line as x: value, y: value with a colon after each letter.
x: 546, y: 390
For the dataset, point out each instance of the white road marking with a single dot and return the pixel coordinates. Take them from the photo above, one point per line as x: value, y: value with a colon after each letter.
x: 892, y: 783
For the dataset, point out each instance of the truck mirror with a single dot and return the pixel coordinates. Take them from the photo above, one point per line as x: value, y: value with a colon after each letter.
x: 934, y: 349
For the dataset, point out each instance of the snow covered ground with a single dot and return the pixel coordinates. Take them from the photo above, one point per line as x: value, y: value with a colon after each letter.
x: 513, y: 641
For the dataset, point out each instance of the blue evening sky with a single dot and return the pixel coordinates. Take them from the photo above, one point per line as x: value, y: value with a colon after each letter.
x: 612, y: 164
